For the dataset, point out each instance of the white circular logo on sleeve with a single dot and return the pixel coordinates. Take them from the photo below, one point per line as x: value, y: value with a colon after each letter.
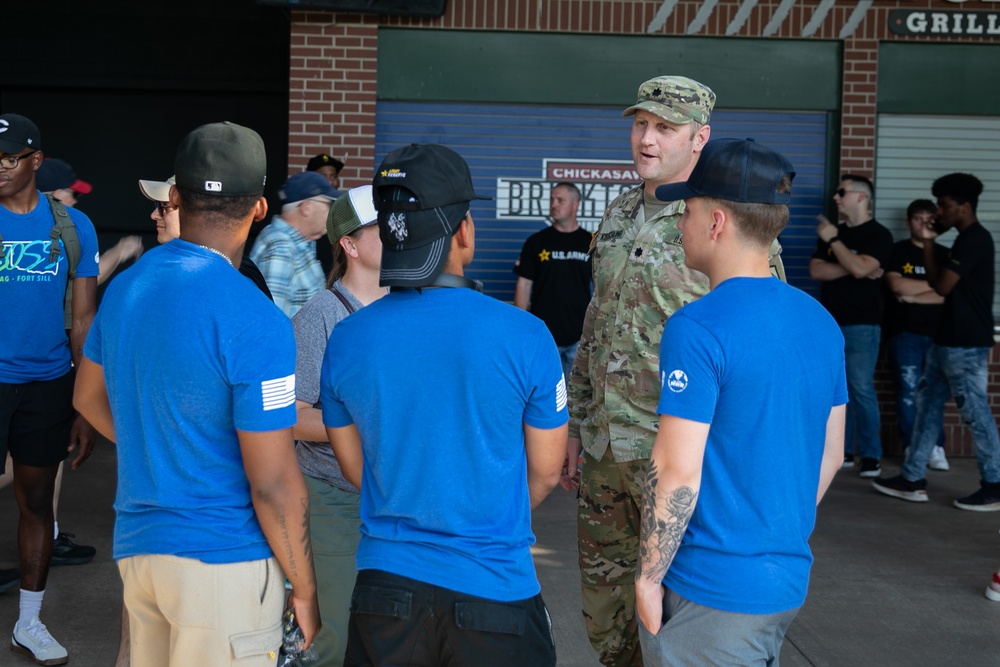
x: 677, y: 381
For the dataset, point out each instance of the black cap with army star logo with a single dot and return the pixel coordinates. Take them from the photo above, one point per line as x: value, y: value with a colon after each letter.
x: 18, y: 133
x: 422, y: 193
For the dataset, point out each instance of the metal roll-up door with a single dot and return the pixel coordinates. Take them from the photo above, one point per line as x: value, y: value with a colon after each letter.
x: 912, y: 151
x: 517, y: 151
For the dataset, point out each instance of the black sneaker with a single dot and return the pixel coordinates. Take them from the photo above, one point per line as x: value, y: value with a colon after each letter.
x: 848, y: 461
x: 904, y: 489
x: 65, y: 552
x: 9, y: 579
x: 986, y: 499
x: 869, y: 468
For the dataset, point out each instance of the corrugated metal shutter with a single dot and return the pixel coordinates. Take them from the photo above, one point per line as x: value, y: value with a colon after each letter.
x: 510, y: 143
x: 912, y: 151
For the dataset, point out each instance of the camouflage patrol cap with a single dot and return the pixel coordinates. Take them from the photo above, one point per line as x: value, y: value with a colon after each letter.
x: 676, y: 99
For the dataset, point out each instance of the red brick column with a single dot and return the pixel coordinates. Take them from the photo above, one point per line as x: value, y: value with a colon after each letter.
x: 858, y: 114
x: 333, y: 70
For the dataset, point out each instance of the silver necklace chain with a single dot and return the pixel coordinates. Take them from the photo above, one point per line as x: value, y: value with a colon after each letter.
x: 217, y: 252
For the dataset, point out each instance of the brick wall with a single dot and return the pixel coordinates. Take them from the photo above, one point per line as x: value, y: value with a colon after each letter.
x: 334, y: 61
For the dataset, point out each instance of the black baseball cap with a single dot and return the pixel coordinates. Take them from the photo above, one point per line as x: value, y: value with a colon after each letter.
x: 222, y: 159
x: 18, y: 133
x: 422, y: 193
x: 323, y: 160
x: 55, y: 174
x: 739, y: 170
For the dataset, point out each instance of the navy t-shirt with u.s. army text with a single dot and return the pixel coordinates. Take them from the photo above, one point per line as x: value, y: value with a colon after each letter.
x: 558, y: 264
x: 920, y: 318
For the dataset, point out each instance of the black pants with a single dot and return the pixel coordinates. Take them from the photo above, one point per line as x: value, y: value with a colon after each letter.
x: 397, y: 621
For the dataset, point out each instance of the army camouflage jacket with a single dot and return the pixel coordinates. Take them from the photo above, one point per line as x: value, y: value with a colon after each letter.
x: 640, y: 280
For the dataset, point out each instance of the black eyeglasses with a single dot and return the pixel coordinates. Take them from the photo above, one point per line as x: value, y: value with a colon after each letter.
x: 162, y: 208
x: 11, y: 161
x: 842, y: 191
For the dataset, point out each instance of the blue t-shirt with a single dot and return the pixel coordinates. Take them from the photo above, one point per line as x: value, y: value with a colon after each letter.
x: 33, y: 343
x: 191, y: 352
x: 763, y: 363
x: 440, y: 384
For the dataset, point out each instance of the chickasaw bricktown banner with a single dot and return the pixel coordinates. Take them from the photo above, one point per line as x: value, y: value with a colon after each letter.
x: 600, y: 181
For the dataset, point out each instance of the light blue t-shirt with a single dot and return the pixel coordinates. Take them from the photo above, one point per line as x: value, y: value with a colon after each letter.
x: 440, y: 384
x: 191, y: 352
x: 763, y: 363
x: 33, y: 343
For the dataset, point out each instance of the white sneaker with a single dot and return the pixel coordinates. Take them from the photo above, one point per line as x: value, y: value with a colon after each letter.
x: 34, y: 639
x: 937, y: 461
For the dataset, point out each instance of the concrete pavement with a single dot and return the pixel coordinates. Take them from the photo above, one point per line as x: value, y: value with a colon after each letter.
x: 895, y: 584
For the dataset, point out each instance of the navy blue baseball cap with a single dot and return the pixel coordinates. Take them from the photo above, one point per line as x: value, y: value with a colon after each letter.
x: 55, y: 174
x: 739, y: 170
x: 306, y: 185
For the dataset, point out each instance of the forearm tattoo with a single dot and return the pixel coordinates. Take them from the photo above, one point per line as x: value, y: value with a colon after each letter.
x: 306, y: 531
x: 661, y: 535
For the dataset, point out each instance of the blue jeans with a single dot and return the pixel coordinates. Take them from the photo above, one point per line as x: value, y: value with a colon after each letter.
x: 907, y: 351
x: 860, y: 354
x: 960, y: 372
x: 567, y: 354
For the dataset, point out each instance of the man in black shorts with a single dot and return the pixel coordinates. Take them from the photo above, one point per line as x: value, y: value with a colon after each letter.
x: 38, y: 426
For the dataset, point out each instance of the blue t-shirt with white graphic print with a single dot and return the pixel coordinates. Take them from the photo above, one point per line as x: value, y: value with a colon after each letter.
x: 191, y: 351
x: 440, y: 384
x: 33, y: 343
x: 763, y: 363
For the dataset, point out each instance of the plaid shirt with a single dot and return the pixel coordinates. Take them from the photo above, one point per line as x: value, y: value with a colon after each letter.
x: 289, y: 265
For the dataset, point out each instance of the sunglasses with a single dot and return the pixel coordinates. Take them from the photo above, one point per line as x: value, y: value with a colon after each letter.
x: 162, y: 208
x: 840, y: 192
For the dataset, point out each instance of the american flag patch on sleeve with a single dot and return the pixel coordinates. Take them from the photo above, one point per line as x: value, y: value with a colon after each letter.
x: 561, y: 394
x: 278, y: 393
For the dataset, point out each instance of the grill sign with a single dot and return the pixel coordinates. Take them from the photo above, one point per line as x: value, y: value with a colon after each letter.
x: 944, y: 23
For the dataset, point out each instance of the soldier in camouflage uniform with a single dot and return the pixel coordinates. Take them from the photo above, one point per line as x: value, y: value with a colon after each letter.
x: 639, y: 281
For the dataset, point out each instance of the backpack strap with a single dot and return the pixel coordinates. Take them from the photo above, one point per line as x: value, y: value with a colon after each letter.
x: 66, y: 230
x: 343, y: 299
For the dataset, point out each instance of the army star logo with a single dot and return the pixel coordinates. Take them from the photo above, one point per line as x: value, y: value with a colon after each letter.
x: 544, y: 255
x: 907, y: 268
